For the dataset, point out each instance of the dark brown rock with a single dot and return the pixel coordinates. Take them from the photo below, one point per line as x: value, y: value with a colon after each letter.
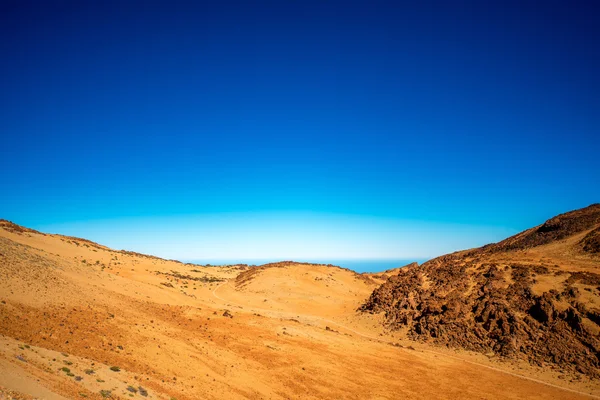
x: 464, y: 300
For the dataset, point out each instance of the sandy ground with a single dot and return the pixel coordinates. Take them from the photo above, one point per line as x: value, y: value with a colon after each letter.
x: 71, y: 310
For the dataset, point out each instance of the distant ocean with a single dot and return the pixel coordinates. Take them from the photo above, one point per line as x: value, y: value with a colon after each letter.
x: 355, y: 265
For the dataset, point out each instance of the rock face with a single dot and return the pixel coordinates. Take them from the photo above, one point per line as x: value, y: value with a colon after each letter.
x: 557, y: 228
x: 495, y: 300
x: 591, y: 242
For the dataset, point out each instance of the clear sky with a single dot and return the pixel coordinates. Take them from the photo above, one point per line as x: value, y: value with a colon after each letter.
x: 288, y: 129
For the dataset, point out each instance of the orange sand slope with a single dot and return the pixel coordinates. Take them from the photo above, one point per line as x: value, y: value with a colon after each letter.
x: 79, y: 320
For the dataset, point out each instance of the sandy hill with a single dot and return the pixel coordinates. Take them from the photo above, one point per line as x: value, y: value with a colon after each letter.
x: 289, y: 286
x: 534, y: 296
x: 80, y: 320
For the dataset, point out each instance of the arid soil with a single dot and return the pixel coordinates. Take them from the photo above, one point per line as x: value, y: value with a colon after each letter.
x: 79, y: 320
x: 534, y: 296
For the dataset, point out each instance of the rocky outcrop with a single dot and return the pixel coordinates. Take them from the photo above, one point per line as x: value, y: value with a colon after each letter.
x: 491, y: 308
x: 471, y: 300
x: 557, y: 228
x: 591, y: 242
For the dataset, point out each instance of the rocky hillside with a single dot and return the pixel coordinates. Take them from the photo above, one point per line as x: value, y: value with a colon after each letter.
x: 534, y: 296
x: 560, y: 227
x: 591, y: 242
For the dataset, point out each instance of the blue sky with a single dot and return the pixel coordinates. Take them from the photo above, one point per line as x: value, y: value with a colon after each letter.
x: 274, y: 129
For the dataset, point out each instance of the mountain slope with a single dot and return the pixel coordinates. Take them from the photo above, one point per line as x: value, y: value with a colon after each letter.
x: 78, y: 319
x: 534, y: 296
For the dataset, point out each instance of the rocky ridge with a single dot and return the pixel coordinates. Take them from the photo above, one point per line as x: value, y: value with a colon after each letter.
x: 496, y: 300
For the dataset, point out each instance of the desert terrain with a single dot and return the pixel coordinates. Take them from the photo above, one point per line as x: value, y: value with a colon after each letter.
x: 80, y: 320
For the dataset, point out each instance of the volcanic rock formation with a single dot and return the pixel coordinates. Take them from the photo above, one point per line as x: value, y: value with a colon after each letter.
x: 534, y: 296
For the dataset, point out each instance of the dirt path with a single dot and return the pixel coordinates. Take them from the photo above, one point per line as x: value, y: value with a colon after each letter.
x: 369, y: 337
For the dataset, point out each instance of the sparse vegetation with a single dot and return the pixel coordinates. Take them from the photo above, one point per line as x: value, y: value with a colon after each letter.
x: 204, y: 279
x: 115, y: 369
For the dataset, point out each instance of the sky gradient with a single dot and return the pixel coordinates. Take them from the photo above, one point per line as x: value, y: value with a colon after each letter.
x: 280, y: 129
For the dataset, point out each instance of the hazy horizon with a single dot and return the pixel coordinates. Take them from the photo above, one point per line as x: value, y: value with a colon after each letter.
x: 282, y: 236
x: 357, y: 265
